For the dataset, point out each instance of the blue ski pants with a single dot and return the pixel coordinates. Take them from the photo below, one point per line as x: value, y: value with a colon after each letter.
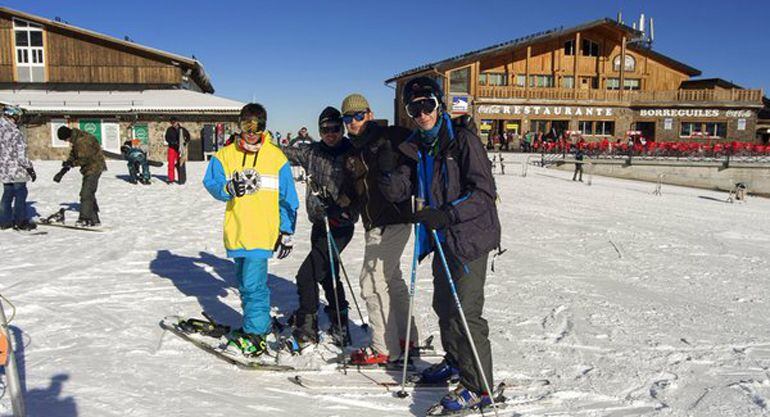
x: 14, y: 203
x: 255, y: 294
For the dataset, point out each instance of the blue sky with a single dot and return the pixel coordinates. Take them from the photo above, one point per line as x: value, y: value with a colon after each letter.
x: 296, y: 57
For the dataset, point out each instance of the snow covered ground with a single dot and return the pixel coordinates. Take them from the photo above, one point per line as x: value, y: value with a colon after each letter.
x: 628, y: 303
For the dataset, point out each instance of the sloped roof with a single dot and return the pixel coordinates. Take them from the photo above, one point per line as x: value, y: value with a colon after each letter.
x: 114, y: 102
x: 198, y: 72
x: 537, y: 38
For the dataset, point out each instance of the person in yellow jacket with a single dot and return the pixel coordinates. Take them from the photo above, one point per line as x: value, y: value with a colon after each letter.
x: 254, y: 177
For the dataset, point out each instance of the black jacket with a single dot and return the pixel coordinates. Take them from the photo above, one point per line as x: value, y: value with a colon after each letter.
x: 462, y: 185
x: 172, y: 136
x: 325, y: 168
x: 362, y: 164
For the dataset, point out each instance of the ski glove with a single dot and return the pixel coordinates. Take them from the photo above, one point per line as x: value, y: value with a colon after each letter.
x: 32, y: 173
x: 284, y: 245
x: 59, y: 175
x: 236, y: 187
x: 432, y: 218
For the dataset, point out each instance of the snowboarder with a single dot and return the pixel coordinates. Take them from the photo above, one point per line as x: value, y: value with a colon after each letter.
x: 446, y: 169
x: 254, y: 178
x: 177, y: 139
x: 15, y: 171
x: 387, y: 232
x: 86, y: 153
x: 137, y: 160
x: 329, y: 195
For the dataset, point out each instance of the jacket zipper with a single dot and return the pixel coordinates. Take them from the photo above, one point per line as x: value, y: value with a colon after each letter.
x: 366, y: 188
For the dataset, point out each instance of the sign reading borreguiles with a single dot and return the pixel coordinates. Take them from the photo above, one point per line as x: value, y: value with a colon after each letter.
x: 545, y: 110
x: 700, y: 113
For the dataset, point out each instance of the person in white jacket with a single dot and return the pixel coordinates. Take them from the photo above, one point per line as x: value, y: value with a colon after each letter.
x: 15, y: 171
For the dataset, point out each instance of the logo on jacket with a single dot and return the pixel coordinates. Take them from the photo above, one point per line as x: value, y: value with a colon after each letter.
x: 252, y: 179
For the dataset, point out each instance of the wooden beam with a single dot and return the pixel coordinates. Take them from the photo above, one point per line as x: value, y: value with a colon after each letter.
x: 526, y: 80
x: 622, y: 65
x: 576, y: 55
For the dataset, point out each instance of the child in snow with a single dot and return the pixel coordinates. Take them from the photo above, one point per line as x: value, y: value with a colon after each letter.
x: 253, y: 176
x: 137, y: 161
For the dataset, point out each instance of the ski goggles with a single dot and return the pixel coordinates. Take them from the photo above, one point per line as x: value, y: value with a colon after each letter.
x: 252, y: 126
x: 330, y: 129
x: 358, y: 116
x: 425, y: 105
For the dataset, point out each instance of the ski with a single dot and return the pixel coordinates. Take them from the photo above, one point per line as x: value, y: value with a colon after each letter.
x: 72, y: 227
x: 205, y: 340
x: 357, y: 381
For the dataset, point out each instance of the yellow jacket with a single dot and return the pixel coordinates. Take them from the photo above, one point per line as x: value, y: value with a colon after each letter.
x: 253, y: 222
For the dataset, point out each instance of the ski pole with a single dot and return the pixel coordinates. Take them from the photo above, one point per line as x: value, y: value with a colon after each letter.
x: 364, y: 325
x: 334, y: 287
x: 462, y: 316
x: 415, y: 256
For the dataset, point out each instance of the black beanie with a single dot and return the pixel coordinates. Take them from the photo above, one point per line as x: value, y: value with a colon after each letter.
x: 423, y: 87
x: 64, y: 133
x: 330, y: 114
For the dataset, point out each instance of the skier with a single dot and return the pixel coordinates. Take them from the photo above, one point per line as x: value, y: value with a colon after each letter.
x: 15, y: 171
x: 253, y: 176
x: 87, y: 154
x: 137, y: 160
x: 329, y: 195
x: 177, y: 137
x: 387, y: 232
x: 447, y: 170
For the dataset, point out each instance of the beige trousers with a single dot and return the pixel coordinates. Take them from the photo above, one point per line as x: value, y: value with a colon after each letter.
x: 384, y: 290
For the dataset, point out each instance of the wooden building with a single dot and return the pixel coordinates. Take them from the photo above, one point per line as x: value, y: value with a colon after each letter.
x: 115, y: 88
x: 601, y: 78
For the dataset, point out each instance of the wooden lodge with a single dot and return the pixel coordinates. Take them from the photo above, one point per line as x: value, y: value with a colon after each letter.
x: 601, y: 79
x: 114, y: 88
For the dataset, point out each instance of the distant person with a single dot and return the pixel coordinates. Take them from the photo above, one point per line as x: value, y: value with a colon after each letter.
x: 15, y: 171
x: 177, y: 139
x: 86, y: 153
x: 138, y: 165
x: 254, y: 178
x: 303, y: 138
x: 579, y: 155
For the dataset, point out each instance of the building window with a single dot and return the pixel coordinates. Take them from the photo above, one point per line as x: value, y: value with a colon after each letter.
x: 597, y: 128
x: 493, y: 79
x: 630, y: 65
x: 710, y: 129
x: 543, y: 81
x: 568, y: 82
x: 569, y: 47
x: 460, y: 81
x: 521, y: 80
x: 539, y: 126
x: 589, y: 48
x: 587, y: 128
x: 30, y: 59
x: 629, y: 83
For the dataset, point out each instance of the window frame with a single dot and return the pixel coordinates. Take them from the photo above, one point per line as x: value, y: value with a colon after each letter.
x: 703, y: 127
x: 569, y: 47
x: 466, y: 69
x: 594, y: 49
x: 28, y: 57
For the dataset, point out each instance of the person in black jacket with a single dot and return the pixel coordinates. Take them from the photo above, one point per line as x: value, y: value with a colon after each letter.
x: 177, y: 139
x: 446, y: 168
x: 387, y: 228
x: 329, y: 195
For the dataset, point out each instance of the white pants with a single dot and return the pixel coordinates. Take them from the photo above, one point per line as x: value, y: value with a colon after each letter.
x: 384, y: 290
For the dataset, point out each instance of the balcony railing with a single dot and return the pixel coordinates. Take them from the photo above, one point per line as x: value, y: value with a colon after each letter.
x: 680, y: 96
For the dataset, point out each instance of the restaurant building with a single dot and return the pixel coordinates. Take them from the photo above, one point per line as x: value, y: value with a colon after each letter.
x: 601, y: 79
x: 115, y: 89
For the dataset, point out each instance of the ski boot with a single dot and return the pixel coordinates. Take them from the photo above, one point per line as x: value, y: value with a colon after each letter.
x: 368, y: 357
x: 85, y: 223
x: 250, y: 344
x: 305, y: 332
x: 445, y: 371
x: 25, y: 226
x: 5, y: 226
x: 460, y: 400
x: 334, y: 330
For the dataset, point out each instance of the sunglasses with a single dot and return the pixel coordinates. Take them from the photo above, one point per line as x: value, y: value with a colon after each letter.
x: 330, y: 129
x: 359, y: 116
x: 425, y: 105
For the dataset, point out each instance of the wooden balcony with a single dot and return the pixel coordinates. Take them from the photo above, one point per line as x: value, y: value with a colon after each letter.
x: 732, y: 96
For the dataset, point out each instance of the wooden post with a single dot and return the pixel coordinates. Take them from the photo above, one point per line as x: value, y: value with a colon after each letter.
x: 576, y: 56
x: 622, y: 66
x: 526, y: 78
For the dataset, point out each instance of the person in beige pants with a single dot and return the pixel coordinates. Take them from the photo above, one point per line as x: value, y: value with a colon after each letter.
x: 387, y: 232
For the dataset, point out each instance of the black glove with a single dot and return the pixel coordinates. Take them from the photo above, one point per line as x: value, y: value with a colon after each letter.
x: 387, y: 158
x: 236, y: 187
x: 59, y: 175
x: 431, y: 218
x: 66, y: 164
x: 32, y: 173
x: 284, y: 245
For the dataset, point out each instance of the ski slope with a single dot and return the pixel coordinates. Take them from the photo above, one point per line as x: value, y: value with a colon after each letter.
x: 628, y: 303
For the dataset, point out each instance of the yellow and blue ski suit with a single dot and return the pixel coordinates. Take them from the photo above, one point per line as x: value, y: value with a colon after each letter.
x: 254, y: 222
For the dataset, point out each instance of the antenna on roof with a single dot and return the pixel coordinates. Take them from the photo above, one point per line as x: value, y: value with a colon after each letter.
x: 652, y: 31
x: 641, y: 23
x: 620, y: 17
